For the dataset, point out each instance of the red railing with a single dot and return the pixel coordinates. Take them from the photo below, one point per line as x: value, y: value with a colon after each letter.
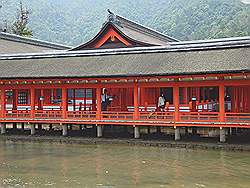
x: 143, y: 116
x: 117, y: 115
x: 199, y: 116
x: 166, y: 116
x: 81, y: 114
x: 54, y: 114
x: 17, y: 114
x: 237, y: 117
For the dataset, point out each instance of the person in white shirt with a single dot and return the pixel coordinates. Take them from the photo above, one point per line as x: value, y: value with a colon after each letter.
x: 161, y: 102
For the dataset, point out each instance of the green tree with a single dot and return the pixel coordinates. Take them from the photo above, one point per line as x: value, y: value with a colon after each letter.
x: 20, y: 27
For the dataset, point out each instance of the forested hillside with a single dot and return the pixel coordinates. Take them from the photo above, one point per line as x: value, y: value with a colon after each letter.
x: 75, y: 21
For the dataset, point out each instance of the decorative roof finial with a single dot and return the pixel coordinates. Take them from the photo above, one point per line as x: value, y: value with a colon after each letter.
x: 110, y: 11
x: 111, y: 16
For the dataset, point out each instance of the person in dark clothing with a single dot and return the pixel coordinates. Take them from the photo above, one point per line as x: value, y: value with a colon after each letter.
x: 104, y: 100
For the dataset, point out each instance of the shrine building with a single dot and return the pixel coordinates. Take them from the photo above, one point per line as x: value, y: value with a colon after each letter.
x: 127, y: 75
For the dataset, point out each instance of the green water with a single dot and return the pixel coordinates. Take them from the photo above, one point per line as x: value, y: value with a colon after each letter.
x: 56, y: 165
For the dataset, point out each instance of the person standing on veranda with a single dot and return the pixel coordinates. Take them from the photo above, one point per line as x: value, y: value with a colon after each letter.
x: 161, y: 103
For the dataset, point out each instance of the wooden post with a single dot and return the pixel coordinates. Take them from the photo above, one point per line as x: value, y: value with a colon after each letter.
x: 136, y: 101
x: 3, y: 103
x: 222, y: 102
x: 74, y: 99
x: 14, y: 101
x: 64, y: 103
x: 98, y: 102
x: 32, y: 102
x: 176, y: 102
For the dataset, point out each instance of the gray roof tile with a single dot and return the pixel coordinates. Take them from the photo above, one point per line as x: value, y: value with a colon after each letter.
x: 221, y: 60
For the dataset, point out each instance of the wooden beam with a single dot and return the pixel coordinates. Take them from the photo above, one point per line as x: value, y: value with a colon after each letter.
x: 136, y: 101
x: 176, y: 102
x: 184, y: 95
x: 98, y: 102
x: 222, y: 102
x: 3, y: 102
x: 64, y: 102
x: 32, y: 102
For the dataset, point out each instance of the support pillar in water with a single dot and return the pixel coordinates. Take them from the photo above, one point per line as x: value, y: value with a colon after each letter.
x: 65, y: 130
x: 148, y: 130
x: 14, y: 126
x: 32, y: 129
x: 50, y: 127
x: 222, y: 135
x: 158, y: 129
x: 136, y: 132
x: 22, y: 125
x: 99, y: 131
x: 40, y: 127
x: 194, y: 130
x: 177, y: 134
x: 186, y: 130
x: 3, y: 128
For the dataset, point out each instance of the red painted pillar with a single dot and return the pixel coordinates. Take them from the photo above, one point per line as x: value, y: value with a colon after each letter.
x: 176, y: 102
x: 14, y: 101
x: 64, y: 103
x: 3, y: 102
x: 98, y: 102
x: 222, y: 102
x: 93, y: 108
x: 136, y: 101
x: 74, y: 99
x: 85, y: 99
x: 32, y: 102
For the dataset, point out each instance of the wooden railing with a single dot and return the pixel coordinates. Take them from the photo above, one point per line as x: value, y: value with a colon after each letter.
x: 166, y: 116
x: 237, y: 117
x: 48, y: 114
x: 81, y: 114
x: 143, y: 116
x: 199, y: 116
x: 17, y: 114
x: 117, y: 115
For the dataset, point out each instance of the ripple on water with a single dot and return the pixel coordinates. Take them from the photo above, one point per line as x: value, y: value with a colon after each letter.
x: 120, y: 166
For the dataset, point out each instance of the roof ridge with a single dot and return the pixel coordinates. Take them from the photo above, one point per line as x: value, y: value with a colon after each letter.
x: 135, y: 50
x: 33, y: 41
x: 151, y: 31
x: 206, y: 41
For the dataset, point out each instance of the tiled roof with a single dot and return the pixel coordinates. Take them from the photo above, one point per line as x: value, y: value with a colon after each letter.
x: 227, y: 57
x: 139, y: 34
x: 10, y: 43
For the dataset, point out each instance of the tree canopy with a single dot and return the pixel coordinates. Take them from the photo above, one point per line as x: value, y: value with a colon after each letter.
x: 20, y: 24
x: 74, y: 22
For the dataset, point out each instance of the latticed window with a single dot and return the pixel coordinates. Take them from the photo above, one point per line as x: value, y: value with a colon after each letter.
x: 22, y: 98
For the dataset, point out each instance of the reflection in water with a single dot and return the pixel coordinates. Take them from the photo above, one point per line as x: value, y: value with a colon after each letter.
x: 40, y: 165
x: 136, y: 166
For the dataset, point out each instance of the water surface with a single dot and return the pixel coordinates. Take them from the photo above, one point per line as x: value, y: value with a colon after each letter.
x: 58, y: 165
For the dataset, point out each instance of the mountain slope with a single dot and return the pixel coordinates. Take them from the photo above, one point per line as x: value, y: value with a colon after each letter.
x: 73, y: 22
